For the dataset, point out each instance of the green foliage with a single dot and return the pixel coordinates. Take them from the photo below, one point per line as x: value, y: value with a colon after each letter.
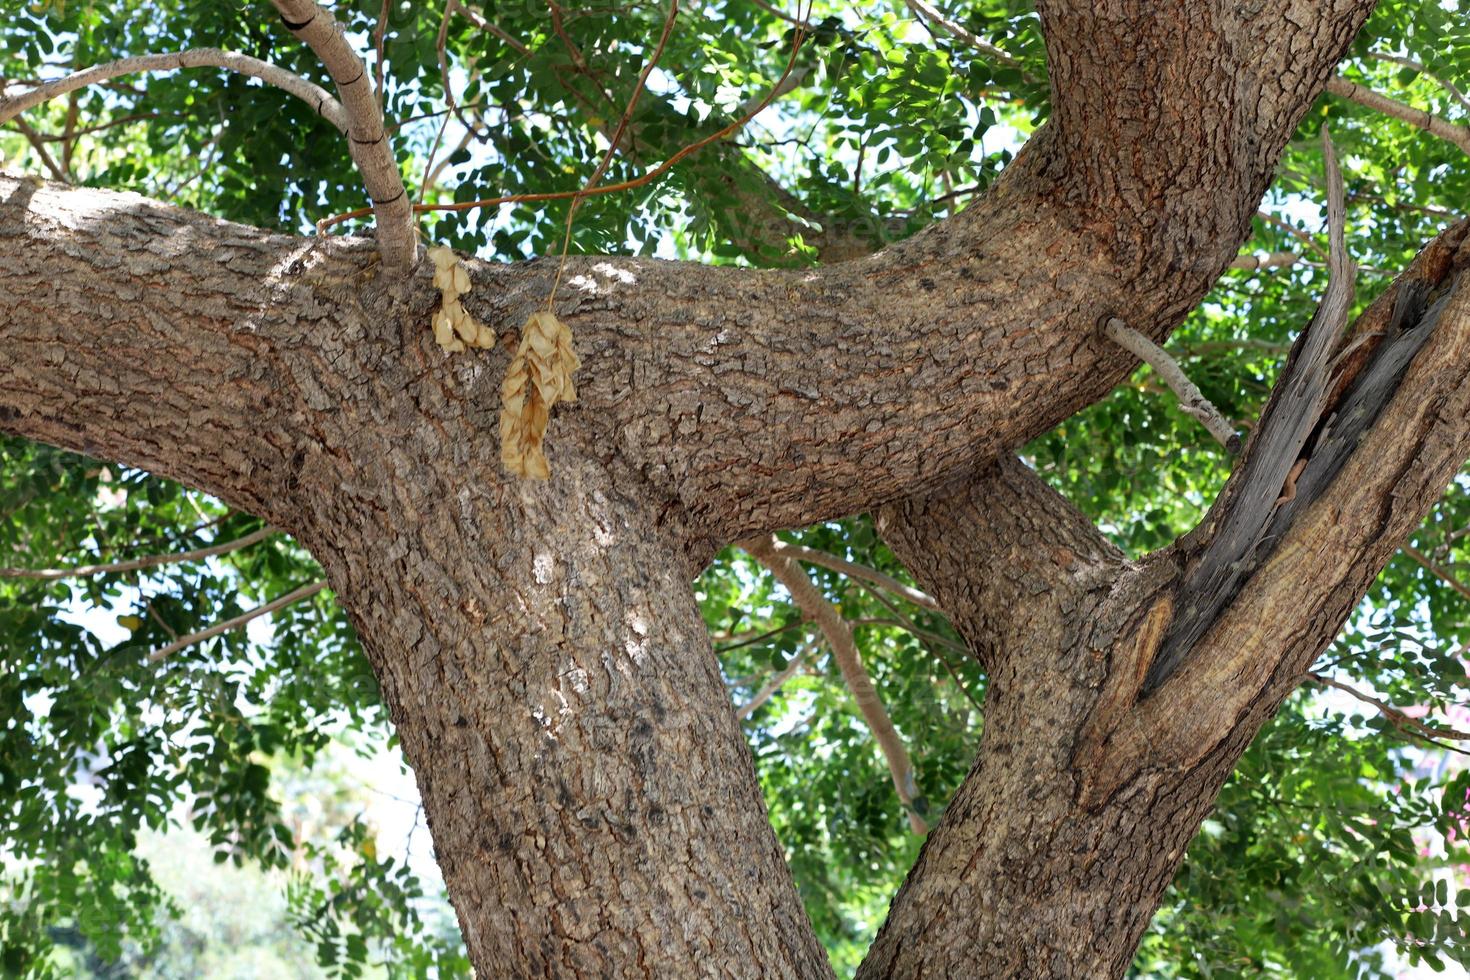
x: 1339, y: 830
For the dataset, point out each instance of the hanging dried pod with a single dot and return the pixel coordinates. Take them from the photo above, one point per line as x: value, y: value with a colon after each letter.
x: 538, y: 378
x: 454, y: 328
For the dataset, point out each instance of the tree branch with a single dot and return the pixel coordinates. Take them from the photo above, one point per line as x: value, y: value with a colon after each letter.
x: 184, y: 642
x: 1191, y: 400
x: 849, y: 661
x: 813, y: 556
x: 1427, y: 121
x: 1272, y: 260
x: 371, y: 149
x: 932, y: 15
x: 1394, y: 716
x: 39, y: 145
x: 1001, y: 552
x: 769, y: 689
x: 1436, y: 570
x: 313, y: 95
x: 164, y: 339
x: 133, y: 564
x: 1410, y: 63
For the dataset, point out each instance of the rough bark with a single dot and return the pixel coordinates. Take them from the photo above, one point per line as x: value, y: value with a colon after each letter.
x: 590, y: 796
x: 1088, y: 786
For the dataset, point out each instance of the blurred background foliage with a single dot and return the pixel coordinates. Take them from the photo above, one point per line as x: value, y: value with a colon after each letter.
x: 1338, y: 849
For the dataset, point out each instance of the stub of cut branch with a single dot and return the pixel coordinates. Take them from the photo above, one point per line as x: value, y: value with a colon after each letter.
x: 312, y: 94
x: 1191, y: 399
x: 366, y: 138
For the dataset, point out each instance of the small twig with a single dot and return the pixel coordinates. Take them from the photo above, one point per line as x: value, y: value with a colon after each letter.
x: 1271, y: 260
x: 933, y: 16
x: 760, y: 637
x: 1427, y: 121
x: 626, y: 185
x: 613, y: 143
x: 1396, y: 717
x: 380, y: 35
x: 809, y: 599
x: 133, y: 564
x: 489, y: 26
x: 1394, y: 59
x: 314, y: 95
x: 769, y: 689
x: 1293, y: 231
x: 1434, y: 569
x: 183, y: 642
x: 38, y: 143
x: 1191, y: 399
x: 813, y: 556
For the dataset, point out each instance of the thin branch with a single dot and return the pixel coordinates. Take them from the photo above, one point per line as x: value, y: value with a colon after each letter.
x: 1271, y: 260
x: 1454, y: 92
x: 1191, y: 399
x: 490, y: 26
x: 812, y: 556
x: 1396, y: 717
x: 1430, y: 123
x: 773, y: 685
x: 1434, y: 569
x: 1293, y: 231
x: 844, y: 648
x: 613, y: 142
x: 380, y: 37
x: 366, y: 139
x: 935, y: 17
x: 184, y: 642
x: 760, y: 637
x: 626, y: 185
x: 133, y: 564
x: 38, y: 143
x: 99, y: 127
x: 313, y: 95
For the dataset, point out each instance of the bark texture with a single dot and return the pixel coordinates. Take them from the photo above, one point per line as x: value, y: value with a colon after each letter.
x: 1088, y: 786
x: 590, y: 795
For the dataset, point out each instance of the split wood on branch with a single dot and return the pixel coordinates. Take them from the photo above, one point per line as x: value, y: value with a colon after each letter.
x: 367, y: 141
x: 1191, y: 399
x: 1258, y: 502
x: 312, y: 94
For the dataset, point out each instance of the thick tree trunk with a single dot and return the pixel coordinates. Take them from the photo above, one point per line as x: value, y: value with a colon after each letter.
x: 592, y: 799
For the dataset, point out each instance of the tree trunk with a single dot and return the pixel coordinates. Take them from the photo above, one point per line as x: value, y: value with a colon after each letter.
x: 592, y: 799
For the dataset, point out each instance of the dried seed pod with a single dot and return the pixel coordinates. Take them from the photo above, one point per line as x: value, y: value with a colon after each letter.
x: 451, y: 319
x: 538, y: 378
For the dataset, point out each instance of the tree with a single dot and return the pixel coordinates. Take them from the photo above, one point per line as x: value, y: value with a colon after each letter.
x: 536, y: 642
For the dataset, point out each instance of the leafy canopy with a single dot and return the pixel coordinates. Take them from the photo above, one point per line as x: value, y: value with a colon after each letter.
x: 1334, y: 840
